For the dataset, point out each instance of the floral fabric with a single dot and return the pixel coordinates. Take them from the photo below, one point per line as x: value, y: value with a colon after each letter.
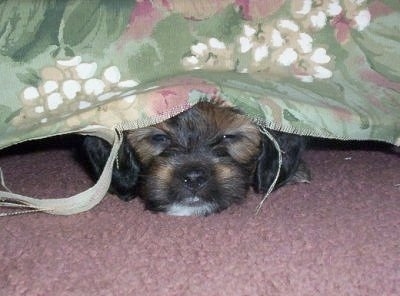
x: 328, y: 68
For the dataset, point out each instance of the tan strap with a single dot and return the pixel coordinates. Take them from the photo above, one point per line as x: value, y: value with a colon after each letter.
x: 64, y: 206
x: 265, y: 131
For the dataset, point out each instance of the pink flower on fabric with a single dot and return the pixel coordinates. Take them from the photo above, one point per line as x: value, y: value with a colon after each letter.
x: 343, y: 23
x: 258, y: 9
x: 175, y: 95
x: 342, y: 28
x: 143, y: 19
x: 197, y: 10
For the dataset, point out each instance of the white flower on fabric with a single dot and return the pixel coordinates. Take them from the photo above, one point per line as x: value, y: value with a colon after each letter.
x: 199, y: 52
x: 128, y: 83
x: 362, y: 19
x: 211, y: 54
x: 276, y: 38
x: 305, y: 42
x: 322, y: 72
x: 199, y: 49
x: 71, y: 88
x: 192, y: 60
x: 312, y: 65
x: 312, y: 8
x: 39, y: 109
x: 50, y: 86
x: 305, y: 78
x: 287, y: 46
x: 71, y: 85
x: 94, y: 86
x: 249, y: 31
x: 54, y: 101
x: 319, y: 20
x: 334, y: 8
x: 315, y: 14
x: 319, y: 72
x: 358, y: 2
x: 319, y: 56
x: 130, y: 99
x: 112, y: 74
x: 260, y: 53
x: 215, y: 43
x: 71, y: 62
x: 288, y: 24
x: 287, y: 57
x: 86, y: 70
x: 30, y: 93
x: 245, y: 44
x: 256, y: 43
x: 306, y: 8
x: 84, y: 105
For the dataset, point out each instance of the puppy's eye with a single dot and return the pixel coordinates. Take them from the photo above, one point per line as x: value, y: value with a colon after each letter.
x: 229, y: 138
x: 159, y: 138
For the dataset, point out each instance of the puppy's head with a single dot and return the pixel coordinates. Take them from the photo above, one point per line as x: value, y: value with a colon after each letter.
x: 198, y: 162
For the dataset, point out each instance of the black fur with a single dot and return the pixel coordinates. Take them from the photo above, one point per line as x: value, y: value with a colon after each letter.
x: 291, y: 147
x: 124, y: 177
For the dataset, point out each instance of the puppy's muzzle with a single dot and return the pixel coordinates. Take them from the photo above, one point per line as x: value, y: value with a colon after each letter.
x: 195, y: 178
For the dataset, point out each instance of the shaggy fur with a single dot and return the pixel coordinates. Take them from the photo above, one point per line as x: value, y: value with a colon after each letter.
x: 197, y: 163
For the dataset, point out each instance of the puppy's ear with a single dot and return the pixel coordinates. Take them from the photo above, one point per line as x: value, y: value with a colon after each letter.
x: 291, y: 147
x: 124, y: 176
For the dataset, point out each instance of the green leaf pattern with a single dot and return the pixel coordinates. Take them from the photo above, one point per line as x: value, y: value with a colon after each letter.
x: 329, y: 69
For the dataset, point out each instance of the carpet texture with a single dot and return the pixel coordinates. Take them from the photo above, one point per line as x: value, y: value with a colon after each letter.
x: 339, y: 235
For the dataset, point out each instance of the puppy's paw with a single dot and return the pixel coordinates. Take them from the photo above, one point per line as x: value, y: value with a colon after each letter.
x: 302, y: 175
x: 123, y: 196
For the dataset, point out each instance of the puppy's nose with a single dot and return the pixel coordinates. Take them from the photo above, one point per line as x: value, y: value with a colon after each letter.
x: 195, y: 178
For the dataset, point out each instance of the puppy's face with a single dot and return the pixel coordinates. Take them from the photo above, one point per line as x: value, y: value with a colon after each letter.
x: 198, y: 162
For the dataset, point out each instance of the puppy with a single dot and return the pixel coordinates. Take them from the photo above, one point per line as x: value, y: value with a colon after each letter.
x: 198, y: 162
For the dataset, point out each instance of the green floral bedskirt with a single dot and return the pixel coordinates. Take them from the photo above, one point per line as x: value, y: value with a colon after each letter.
x: 325, y: 68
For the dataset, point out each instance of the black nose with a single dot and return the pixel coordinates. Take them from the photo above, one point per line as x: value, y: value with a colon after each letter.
x: 195, y: 178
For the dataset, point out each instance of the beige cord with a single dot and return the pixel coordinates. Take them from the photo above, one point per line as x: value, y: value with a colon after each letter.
x: 265, y: 131
x: 64, y: 206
